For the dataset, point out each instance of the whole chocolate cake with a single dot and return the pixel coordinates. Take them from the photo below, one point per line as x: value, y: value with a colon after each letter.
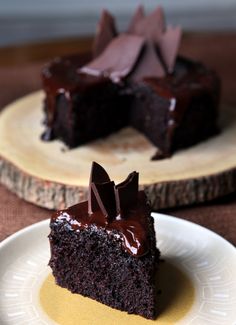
x: 105, y: 248
x: 135, y: 78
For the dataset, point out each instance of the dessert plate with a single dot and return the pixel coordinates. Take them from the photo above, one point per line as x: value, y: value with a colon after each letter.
x: 197, y: 279
x: 49, y: 175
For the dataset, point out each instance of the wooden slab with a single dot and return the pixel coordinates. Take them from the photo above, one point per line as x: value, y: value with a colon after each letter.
x: 51, y: 176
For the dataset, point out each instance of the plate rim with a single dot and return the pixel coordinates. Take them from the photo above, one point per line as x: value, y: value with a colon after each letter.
x: 165, y: 219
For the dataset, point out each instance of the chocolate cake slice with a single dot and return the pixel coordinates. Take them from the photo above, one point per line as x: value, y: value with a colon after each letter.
x: 134, y: 79
x: 105, y: 248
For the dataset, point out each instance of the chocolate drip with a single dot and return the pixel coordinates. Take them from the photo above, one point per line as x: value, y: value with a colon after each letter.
x: 106, y: 31
x: 60, y: 78
x: 47, y: 135
x: 127, y: 194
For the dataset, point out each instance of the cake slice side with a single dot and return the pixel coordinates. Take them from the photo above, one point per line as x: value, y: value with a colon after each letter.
x: 92, y: 262
x: 105, y: 248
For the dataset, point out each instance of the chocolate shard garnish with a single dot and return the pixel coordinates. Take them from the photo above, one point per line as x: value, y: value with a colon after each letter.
x: 148, y: 65
x: 152, y: 26
x: 127, y: 194
x: 137, y: 17
x: 105, y: 196
x: 114, y: 201
x: 118, y: 59
x: 169, y: 45
x: 106, y: 31
x: 97, y: 175
x: 161, y: 48
x: 151, y: 55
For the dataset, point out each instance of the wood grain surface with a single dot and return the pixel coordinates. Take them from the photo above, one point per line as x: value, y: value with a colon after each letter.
x: 50, y: 175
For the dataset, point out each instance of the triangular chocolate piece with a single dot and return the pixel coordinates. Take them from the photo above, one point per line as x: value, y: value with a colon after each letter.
x: 152, y: 26
x: 169, y: 45
x: 105, y: 196
x: 118, y: 59
x: 97, y: 175
x: 147, y: 49
x: 127, y: 193
x: 148, y: 65
x: 106, y: 31
x: 137, y: 17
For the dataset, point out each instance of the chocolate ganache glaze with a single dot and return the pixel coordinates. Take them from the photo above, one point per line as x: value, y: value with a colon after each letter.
x: 118, y: 209
x: 135, y: 78
x: 60, y: 77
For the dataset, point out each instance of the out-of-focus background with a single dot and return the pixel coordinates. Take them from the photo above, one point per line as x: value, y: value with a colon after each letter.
x: 32, y: 32
x: 23, y: 21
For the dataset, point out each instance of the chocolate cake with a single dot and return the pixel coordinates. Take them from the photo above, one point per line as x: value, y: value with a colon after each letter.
x: 134, y: 79
x: 105, y: 248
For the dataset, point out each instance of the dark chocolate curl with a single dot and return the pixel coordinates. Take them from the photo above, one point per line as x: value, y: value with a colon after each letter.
x: 105, y: 196
x: 118, y: 59
x: 97, y: 175
x: 127, y: 194
x: 137, y: 17
x: 106, y: 31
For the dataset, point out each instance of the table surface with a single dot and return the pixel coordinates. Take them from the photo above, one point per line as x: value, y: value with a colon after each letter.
x: 20, y: 74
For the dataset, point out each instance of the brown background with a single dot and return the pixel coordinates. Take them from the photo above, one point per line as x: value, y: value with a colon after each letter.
x: 20, y: 74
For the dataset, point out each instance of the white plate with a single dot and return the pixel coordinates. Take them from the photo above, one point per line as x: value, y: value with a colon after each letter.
x: 207, y: 260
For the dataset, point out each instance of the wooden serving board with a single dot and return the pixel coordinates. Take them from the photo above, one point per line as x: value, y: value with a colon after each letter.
x: 49, y: 175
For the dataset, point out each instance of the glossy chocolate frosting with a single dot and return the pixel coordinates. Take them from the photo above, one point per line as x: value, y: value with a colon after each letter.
x: 118, y: 209
x: 188, y: 78
x: 60, y: 77
x: 145, y: 54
